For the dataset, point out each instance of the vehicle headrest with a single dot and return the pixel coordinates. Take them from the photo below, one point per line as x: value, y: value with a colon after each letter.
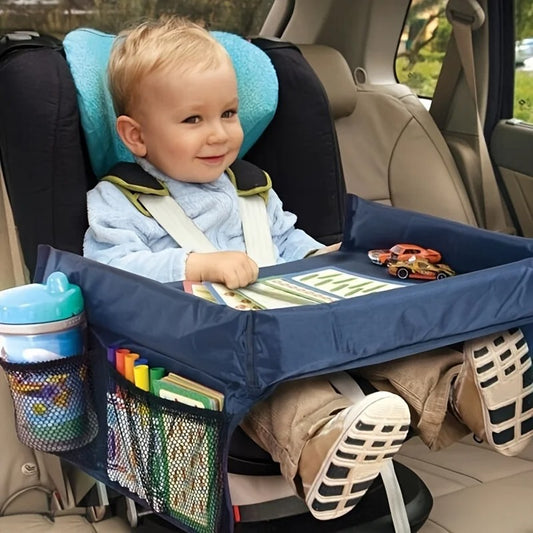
x: 334, y: 73
x: 87, y: 52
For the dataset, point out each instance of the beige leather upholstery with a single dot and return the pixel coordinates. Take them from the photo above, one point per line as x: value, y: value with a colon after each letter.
x: 393, y: 153
x: 12, y: 269
x: 520, y: 189
x: 24, y: 482
x: 474, y: 488
x: 335, y: 75
x: 28, y: 480
x: 37, y: 523
x: 379, y: 138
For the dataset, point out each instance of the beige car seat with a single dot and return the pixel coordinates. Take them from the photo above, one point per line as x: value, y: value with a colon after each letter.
x: 12, y: 269
x: 37, y: 492
x: 391, y: 150
x: 474, y: 488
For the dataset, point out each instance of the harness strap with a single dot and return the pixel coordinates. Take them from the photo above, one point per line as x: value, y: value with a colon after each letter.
x: 256, y: 230
x: 133, y: 181
x: 482, y: 185
x: 348, y: 387
x: 249, y: 179
x: 176, y: 223
x: 271, y: 510
x: 152, y: 198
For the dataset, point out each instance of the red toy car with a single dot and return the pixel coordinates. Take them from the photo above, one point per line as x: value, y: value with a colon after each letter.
x: 404, y: 252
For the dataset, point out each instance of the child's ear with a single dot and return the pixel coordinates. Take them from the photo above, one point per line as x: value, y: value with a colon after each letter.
x: 130, y: 132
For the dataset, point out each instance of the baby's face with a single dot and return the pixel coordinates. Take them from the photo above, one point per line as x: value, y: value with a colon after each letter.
x: 189, y: 122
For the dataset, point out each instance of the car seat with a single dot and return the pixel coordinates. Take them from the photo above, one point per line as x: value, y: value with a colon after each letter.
x: 378, y: 133
x: 37, y: 179
x: 37, y: 492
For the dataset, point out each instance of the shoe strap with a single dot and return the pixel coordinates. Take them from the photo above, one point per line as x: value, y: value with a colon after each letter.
x: 348, y: 387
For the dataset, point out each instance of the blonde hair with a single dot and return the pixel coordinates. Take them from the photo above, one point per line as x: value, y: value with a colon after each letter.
x: 155, y: 46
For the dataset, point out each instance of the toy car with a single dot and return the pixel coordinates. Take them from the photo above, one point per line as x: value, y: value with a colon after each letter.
x: 419, y: 269
x: 403, y: 252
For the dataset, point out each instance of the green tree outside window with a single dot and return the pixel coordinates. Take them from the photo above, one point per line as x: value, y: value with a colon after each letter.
x: 424, y: 43
x: 243, y: 17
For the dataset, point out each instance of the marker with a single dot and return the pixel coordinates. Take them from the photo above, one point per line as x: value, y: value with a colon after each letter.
x: 111, y: 355
x: 157, y: 372
x: 119, y: 359
x: 129, y: 360
x: 140, y: 374
x: 140, y: 361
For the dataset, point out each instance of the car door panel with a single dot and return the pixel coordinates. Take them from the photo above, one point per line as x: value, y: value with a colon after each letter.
x: 511, y: 150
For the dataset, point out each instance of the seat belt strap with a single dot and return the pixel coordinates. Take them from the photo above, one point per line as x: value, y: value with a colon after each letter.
x: 152, y: 198
x: 256, y: 230
x: 254, y: 220
x: 176, y: 223
x: 460, y: 57
x: 446, y: 84
x: 64, y: 499
x: 348, y: 387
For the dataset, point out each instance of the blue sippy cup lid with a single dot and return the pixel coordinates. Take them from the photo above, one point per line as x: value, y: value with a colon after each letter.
x: 35, y: 303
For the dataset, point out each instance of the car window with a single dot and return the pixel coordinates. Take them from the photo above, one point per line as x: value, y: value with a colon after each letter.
x: 58, y: 17
x: 523, y: 93
x: 423, y: 44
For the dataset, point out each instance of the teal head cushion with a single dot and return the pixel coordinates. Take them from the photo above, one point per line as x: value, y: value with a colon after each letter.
x: 87, y: 53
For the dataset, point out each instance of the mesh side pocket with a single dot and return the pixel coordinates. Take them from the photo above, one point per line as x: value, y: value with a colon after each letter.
x: 167, y: 453
x: 53, y: 408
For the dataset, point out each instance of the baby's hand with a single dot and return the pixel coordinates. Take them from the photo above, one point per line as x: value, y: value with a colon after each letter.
x: 328, y: 249
x: 234, y: 269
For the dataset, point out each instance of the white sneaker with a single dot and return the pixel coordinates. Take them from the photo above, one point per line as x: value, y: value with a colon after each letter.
x: 340, y: 462
x: 493, y: 393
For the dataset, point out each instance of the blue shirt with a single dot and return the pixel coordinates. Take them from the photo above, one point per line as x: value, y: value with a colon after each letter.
x: 121, y: 236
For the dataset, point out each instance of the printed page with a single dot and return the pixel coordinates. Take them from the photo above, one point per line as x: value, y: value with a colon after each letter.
x: 197, y: 288
x: 269, y: 297
x: 232, y: 298
x: 344, y: 284
x: 323, y: 285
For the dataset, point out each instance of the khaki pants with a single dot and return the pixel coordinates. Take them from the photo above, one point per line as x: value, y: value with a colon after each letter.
x: 284, y: 422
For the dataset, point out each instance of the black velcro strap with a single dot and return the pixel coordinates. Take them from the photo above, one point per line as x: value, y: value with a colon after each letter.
x: 22, y: 40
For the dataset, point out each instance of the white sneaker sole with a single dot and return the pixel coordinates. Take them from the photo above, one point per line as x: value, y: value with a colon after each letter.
x: 503, y: 373
x: 374, y: 431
